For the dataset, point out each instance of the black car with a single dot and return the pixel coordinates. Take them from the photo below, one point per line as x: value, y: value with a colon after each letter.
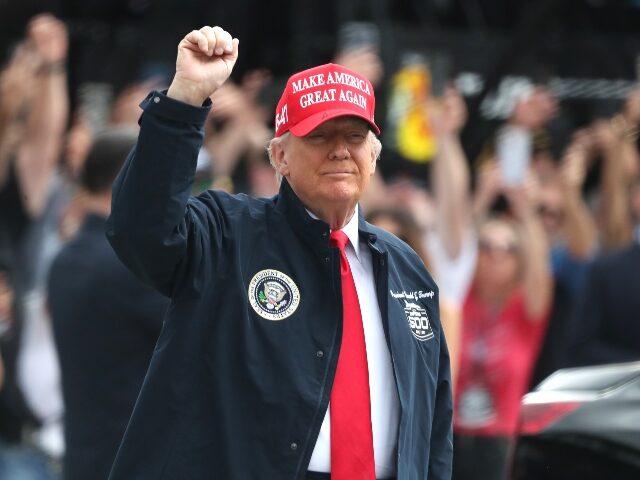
x: 581, y: 423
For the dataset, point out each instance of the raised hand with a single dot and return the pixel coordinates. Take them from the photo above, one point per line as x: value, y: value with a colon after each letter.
x: 523, y: 197
x: 364, y: 60
x: 449, y: 115
x: 49, y: 37
x: 489, y: 179
x: 488, y: 187
x: 573, y: 168
x: 18, y: 82
x: 205, y: 60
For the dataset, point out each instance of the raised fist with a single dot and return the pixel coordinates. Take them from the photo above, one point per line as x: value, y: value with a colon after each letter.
x: 205, y: 60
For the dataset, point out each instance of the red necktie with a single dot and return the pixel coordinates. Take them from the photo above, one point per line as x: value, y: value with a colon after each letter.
x: 351, y: 434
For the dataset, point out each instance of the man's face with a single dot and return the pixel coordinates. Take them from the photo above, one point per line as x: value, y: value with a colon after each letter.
x: 331, y: 166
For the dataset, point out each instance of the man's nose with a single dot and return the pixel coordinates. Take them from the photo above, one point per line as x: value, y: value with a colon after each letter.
x: 339, y: 149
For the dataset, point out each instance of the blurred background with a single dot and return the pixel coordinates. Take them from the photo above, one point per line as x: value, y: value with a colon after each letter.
x: 510, y: 164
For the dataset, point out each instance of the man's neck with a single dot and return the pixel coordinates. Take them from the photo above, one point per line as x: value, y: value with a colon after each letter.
x: 336, y: 218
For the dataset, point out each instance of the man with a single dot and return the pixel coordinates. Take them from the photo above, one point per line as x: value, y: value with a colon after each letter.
x: 105, y: 322
x: 269, y: 322
x: 604, y: 327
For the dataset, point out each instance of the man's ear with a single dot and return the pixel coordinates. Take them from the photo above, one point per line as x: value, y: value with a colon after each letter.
x: 280, y: 159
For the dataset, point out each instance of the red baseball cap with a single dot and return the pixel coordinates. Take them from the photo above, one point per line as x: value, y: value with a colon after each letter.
x: 318, y: 94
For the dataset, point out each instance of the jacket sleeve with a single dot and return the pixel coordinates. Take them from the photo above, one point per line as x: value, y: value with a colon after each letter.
x: 154, y: 228
x: 441, y: 445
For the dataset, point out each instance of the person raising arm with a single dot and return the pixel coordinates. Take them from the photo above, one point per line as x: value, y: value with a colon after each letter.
x: 301, y: 342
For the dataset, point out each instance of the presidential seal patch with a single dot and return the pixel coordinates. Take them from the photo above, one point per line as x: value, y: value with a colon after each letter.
x: 273, y: 295
x: 418, y: 321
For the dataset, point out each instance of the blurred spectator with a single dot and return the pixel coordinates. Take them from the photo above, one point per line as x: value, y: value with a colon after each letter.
x: 78, y: 143
x: 504, y: 317
x: 605, y: 327
x: 125, y: 109
x: 33, y: 113
x: 33, y: 116
x: 34, y: 110
x: 452, y: 244
x: 106, y: 322
x: 572, y: 234
x: 617, y: 139
x: 533, y: 108
x: 236, y: 135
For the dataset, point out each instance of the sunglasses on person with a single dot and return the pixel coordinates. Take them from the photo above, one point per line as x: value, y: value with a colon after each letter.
x: 496, y: 248
x: 550, y: 212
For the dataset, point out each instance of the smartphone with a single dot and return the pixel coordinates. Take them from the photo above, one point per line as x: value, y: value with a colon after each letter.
x: 94, y: 101
x: 439, y: 66
x: 354, y: 35
x: 513, y: 152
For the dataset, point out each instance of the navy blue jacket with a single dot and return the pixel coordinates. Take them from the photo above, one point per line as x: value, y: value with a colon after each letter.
x: 238, y: 389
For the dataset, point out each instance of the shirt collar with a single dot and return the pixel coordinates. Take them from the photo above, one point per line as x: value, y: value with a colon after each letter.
x: 350, y: 230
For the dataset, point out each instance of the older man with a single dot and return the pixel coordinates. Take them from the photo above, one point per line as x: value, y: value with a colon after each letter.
x: 301, y: 342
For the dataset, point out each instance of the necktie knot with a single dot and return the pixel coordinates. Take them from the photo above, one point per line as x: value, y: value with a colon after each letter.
x: 339, y: 239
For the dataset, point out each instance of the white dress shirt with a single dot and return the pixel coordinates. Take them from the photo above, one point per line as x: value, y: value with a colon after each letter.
x: 385, y: 405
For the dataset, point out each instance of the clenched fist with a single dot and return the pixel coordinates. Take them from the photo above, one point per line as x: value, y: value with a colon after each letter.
x: 205, y: 60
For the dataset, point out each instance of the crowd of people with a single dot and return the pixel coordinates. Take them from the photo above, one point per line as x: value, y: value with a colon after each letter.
x: 534, y: 274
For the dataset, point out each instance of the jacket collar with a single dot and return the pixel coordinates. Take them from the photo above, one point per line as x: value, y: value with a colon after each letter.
x: 314, y: 231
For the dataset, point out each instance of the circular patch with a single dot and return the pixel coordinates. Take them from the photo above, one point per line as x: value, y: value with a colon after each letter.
x: 273, y: 295
x: 418, y: 321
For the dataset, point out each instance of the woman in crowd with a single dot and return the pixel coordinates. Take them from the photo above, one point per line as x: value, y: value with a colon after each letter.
x: 504, y: 318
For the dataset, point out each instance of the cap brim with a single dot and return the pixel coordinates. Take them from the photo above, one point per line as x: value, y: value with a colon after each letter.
x: 308, y: 124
